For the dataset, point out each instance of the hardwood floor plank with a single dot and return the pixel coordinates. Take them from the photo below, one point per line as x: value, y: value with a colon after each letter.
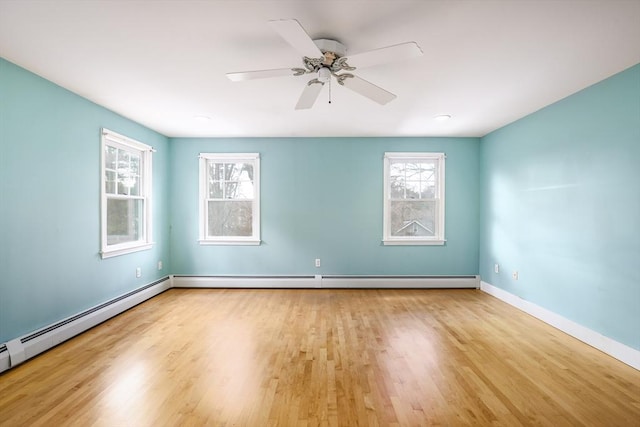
x: 321, y: 358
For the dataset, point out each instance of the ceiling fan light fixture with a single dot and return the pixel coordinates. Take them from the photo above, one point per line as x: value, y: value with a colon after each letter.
x: 324, y: 75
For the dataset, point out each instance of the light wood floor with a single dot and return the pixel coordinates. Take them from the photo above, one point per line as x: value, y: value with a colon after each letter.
x: 321, y: 357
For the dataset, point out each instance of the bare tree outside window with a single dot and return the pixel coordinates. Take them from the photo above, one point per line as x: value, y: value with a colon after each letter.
x: 412, y: 201
x: 413, y: 197
x: 230, y: 198
x: 125, y: 195
x: 124, y: 199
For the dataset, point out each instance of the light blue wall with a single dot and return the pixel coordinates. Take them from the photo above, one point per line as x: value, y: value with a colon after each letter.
x: 322, y: 198
x: 561, y: 204
x: 49, y: 205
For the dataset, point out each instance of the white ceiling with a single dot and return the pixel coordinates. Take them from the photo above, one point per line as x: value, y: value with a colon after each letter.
x: 160, y: 63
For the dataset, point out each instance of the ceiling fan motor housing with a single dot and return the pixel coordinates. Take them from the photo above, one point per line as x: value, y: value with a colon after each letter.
x: 333, y: 46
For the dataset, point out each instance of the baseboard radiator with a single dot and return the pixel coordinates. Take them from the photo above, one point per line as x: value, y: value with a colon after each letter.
x: 328, y: 281
x: 18, y: 350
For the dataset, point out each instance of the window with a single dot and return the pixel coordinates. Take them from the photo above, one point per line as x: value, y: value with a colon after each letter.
x: 230, y: 199
x: 126, y: 195
x: 413, y: 199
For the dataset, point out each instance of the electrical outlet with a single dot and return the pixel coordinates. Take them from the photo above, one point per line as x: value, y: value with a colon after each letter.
x: 317, y: 262
x: 159, y: 265
x: 138, y: 272
x: 515, y: 275
x: 496, y: 268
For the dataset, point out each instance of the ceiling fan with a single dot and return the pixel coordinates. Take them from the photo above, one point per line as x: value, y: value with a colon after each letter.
x: 324, y: 58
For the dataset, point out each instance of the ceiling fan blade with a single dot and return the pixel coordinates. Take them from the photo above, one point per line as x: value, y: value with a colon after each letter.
x: 384, y: 55
x: 309, y: 96
x: 259, y: 74
x: 293, y: 33
x: 368, y: 90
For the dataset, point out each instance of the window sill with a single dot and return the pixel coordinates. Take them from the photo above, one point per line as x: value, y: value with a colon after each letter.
x: 231, y: 242
x: 395, y: 242
x: 116, y: 252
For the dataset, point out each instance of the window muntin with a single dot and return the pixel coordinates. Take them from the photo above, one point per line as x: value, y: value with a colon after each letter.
x: 126, y: 195
x: 230, y: 198
x: 413, y: 198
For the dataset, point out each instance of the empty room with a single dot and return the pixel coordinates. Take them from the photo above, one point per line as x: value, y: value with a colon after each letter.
x: 319, y: 213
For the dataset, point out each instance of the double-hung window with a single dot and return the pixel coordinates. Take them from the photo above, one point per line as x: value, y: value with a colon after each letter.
x: 230, y: 198
x: 126, y: 195
x: 413, y: 199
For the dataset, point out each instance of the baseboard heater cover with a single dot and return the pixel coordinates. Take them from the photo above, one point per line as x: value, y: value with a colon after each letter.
x: 327, y: 281
x: 250, y: 281
x: 20, y: 349
x: 407, y: 282
x: 4, y: 358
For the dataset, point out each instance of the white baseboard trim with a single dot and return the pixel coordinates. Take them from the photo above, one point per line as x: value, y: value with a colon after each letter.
x: 613, y: 348
x: 332, y: 282
x: 23, y: 348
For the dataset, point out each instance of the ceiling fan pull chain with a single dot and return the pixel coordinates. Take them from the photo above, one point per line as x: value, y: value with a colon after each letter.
x: 329, y: 91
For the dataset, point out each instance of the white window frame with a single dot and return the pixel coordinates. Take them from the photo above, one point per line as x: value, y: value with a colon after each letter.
x: 205, y: 159
x: 438, y: 238
x: 113, y: 139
